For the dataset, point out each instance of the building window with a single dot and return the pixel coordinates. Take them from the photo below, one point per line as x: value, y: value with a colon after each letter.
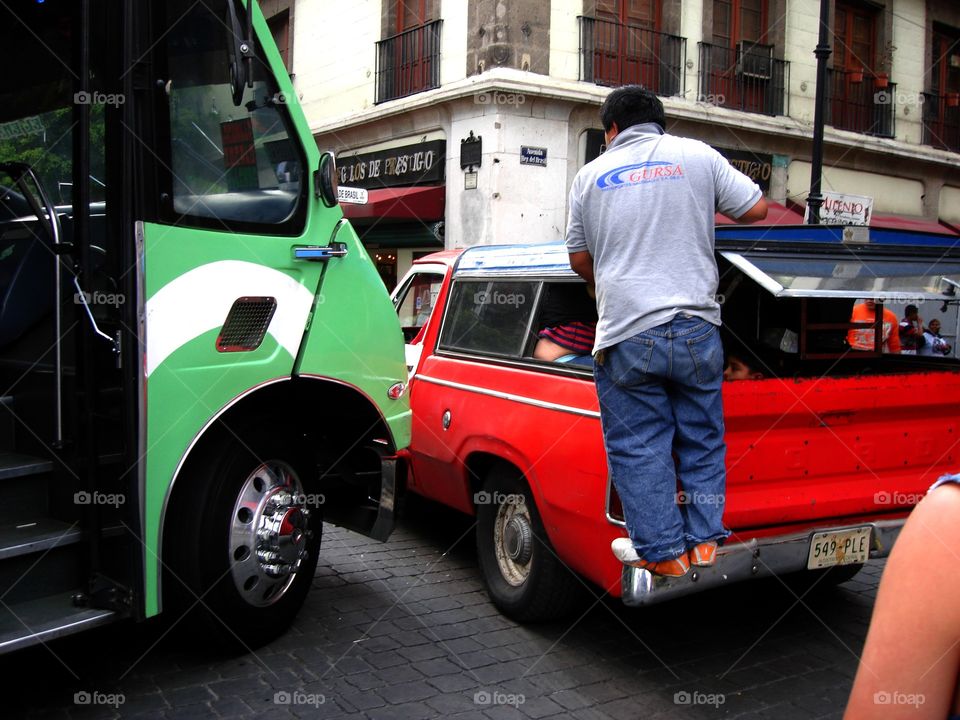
x: 622, y: 45
x: 408, y: 60
x: 941, y: 106
x: 860, y: 95
x: 739, y: 69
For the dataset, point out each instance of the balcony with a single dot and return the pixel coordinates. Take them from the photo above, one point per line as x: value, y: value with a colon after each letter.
x: 941, y: 121
x: 857, y: 104
x: 612, y: 53
x: 408, y: 62
x: 746, y: 78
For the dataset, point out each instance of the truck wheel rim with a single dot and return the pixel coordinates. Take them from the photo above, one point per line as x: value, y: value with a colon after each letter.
x: 513, y: 540
x: 269, y: 533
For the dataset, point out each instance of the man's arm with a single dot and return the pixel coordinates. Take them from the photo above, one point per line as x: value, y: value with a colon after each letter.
x: 582, y: 264
x: 754, y: 214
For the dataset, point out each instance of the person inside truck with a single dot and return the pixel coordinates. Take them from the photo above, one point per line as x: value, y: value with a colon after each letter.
x: 911, y: 331
x: 935, y: 344
x: 568, y: 322
x: 739, y: 369
x: 911, y: 660
x: 862, y: 338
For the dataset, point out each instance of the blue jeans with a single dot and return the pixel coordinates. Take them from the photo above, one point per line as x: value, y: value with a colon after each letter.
x: 660, y: 394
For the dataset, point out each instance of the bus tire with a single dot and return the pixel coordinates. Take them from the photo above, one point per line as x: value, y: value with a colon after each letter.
x: 244, y: 541
x: 524, y: 577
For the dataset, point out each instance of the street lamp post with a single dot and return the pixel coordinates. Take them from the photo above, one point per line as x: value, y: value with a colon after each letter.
x: 822, y: 52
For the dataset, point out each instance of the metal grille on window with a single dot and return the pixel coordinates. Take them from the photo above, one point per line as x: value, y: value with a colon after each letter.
x: 246, y: 324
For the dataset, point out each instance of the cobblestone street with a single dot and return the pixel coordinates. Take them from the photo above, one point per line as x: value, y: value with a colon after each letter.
x: 404, y: 630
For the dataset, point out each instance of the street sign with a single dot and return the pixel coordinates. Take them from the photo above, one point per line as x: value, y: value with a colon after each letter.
x: 533, y: 156
x: 357, y: 196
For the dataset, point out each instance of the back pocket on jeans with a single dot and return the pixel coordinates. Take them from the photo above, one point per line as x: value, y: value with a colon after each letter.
x: 628, y: 362
x: 707, y: 354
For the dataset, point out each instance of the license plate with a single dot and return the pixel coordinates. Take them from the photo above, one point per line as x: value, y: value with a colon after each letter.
x: 839, y: 547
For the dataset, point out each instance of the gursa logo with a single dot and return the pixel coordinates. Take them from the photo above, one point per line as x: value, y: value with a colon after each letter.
x: 639, y: 173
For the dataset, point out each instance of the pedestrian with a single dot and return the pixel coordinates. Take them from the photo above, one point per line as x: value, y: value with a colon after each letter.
x: 911, y: 331
x: 935, y: 343
x: 641, y: 229
x: 911, y: 659
x: 862, y: 338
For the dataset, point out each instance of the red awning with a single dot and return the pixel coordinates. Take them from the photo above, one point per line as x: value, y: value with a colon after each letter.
x: 425, y: 203
x: 777, y: 214
x: 895, y: 222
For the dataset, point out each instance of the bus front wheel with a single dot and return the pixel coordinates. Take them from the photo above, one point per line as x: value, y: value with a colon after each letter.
x: 245, y: 540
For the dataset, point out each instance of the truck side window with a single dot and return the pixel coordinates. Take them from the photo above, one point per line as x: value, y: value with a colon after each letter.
x: 490, y: 316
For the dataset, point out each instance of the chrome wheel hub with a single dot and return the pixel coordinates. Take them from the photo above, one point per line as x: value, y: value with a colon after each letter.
x: 513, y: 539
x: 269, y: 532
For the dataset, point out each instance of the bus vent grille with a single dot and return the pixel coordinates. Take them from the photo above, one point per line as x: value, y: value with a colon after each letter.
x: 246, y: 324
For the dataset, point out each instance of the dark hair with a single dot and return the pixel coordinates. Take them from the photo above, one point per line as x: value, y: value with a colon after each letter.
x: 910, y: 309
x: 631, y: 105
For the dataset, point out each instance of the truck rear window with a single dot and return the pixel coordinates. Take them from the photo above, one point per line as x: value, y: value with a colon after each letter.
x: 490, y: 316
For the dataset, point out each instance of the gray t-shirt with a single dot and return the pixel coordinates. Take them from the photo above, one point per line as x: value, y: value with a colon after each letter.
x: 645, y: 211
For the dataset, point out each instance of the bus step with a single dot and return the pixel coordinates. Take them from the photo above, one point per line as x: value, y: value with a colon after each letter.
x: 36, y: 535
x: 46, y: 618
x: 17, y: 465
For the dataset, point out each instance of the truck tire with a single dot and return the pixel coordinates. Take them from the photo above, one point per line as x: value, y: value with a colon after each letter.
x: 243, y: 541
x: 524, y: 577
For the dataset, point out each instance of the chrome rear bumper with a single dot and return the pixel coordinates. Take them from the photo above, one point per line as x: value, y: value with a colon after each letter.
x: 757, y: 558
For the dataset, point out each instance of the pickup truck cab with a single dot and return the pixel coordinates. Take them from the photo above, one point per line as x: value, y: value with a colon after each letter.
x: 826, y: 454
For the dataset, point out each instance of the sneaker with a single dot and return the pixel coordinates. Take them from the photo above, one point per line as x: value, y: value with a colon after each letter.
x: 704, y: 554
x: 626, y: 553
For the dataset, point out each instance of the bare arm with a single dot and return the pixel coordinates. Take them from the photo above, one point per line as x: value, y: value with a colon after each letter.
x: 582, y: 264
x: 911, y: 658
x: 757, y: 212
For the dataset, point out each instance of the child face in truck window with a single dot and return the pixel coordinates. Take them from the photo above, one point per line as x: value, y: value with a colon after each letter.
x: 738, y: 369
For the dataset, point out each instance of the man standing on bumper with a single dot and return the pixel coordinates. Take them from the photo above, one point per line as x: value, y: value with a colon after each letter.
x: 641, y: 229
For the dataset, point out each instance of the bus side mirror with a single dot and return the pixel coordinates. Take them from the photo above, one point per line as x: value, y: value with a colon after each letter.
x: 325, y: 180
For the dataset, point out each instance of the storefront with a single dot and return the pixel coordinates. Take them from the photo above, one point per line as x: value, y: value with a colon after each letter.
x: 403, y: 216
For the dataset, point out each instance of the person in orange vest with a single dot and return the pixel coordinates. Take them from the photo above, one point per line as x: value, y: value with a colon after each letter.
x: 862, y: 338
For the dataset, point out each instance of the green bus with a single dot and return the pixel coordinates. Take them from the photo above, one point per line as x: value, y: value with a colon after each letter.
x: 199, y: 363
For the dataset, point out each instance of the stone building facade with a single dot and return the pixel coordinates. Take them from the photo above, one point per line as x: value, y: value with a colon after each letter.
x: 502, y: 97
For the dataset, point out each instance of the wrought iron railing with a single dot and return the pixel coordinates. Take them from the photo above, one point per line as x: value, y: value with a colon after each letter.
x: 747, y: 77
x: 613, y: 53
x: 941, y: 121
x: 408, y: 62
x: 861, y: 102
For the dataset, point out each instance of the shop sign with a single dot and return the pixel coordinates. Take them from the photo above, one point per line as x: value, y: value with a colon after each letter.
x: 418, y: 164
x: 757, y: 167
x: 844, y: 209
x: 357, y: 196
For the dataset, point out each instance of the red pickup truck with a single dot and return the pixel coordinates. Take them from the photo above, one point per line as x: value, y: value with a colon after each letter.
x: 826, y: 454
